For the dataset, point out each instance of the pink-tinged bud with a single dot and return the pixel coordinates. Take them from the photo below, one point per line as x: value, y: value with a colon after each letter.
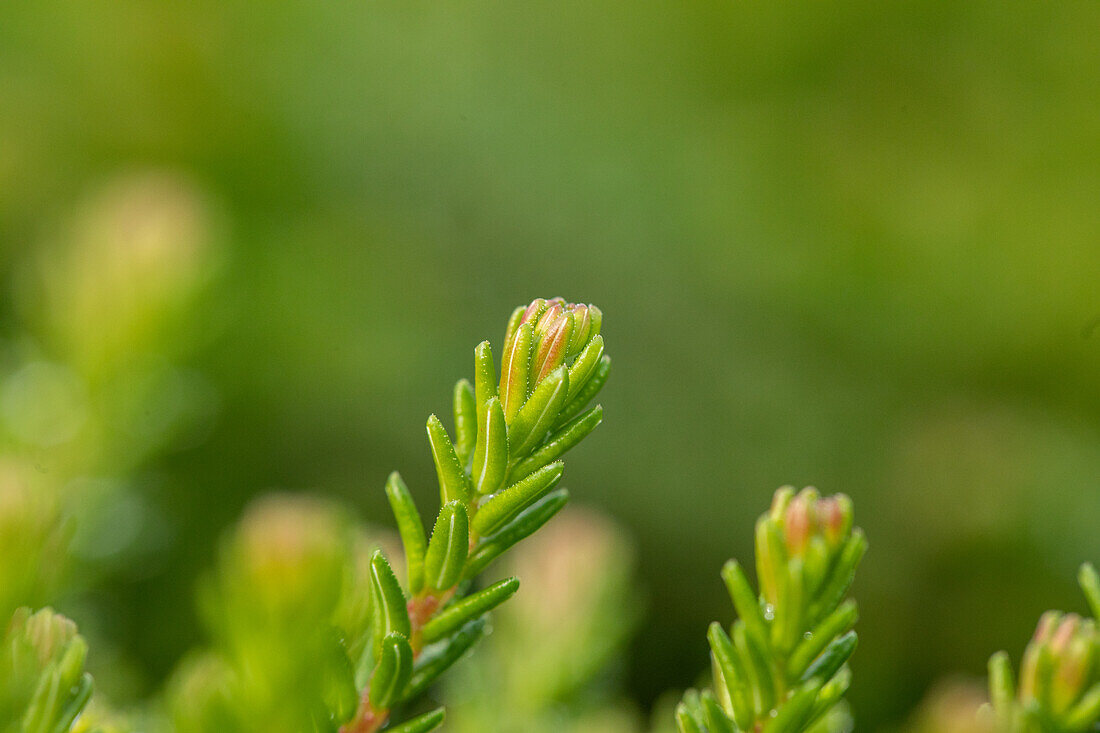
x: 799, y: 525
x: 43, y: 651
x: 551, y: 350
x: 1048, y: 624
x: 1066, y: 647
x: 288, y: 552
x: 572, y: 565
x: 832, y: 521
x: 46, y: 634
x: 515, y: 370
x: 559, y: 332
x: 809, y: 519
x: 29, y: 518
x: 1065, y: 633
x: 835, y: 515
x: 1029, y: 668
x: 549, y: 319
x: 534, y: 311
x: 1071, y: 675
x: 953, y: 706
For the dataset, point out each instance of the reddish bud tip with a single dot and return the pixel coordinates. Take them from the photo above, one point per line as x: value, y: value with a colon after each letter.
x: 552, y: 346
x: 799, y: 525
x: 538, y: 305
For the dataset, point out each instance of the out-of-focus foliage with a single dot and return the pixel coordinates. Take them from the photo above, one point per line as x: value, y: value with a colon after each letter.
x: 100, y: 717
x: 555, y: 651
x: 43, y: 686
x: 1058, y: 690
x: 289, y: 589
x: 33, y: 539
x: 852, y: 245
x: 92, y: 394
x: 783, y: 665
x: 951, y: 706
x: 312, y: 629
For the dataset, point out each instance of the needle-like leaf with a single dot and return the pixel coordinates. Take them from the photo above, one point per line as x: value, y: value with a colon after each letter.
x: 796, y: 710
x: 743, y: 597
x: 515, y: 320
x: 454, y: 484
x: 502, y: 507
x: 485, y: 374
x: 411, y: 529
x: 514, y: 371
x: 78, y: 698
x: 832, y: 659
x: 420, y: 724
x: 830, y: 695
x: 490, y: 466
x: 734, y: 675
x: 391, y: 615
x: 1086, y: 712
x: 1002, y: 689
x: 838, y: 622
x: 689, y: 718
x: 841, y: 577
x: 461, y: 612
x: 717, y: 720
x: 1089, y: 580
x: 558, y: 443
x: 787, y: 629
x: 391, y: 674
x: 448, y: 548
x: 585, y: 366
x: 586, y: 394
x: 539, y: 413
x: 525, y: 523
x: 465, y: 410
x: 755, y: 658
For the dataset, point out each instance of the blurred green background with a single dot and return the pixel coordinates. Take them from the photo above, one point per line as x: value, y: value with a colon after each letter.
x: 247, y: 247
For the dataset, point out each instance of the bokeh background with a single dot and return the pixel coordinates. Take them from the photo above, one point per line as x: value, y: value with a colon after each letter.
x: 247, y: 247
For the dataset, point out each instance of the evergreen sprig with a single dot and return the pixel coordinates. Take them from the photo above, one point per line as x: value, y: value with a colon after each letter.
x: 43, y: 685
x: 498, y: 480
x: 783, y: 664
x: 1059, y: 686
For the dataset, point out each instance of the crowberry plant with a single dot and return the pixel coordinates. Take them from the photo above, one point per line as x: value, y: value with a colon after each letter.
x: 1059, y: 686
x: 497, y: 485
x: 318, y: 625
x: 781, y: 668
